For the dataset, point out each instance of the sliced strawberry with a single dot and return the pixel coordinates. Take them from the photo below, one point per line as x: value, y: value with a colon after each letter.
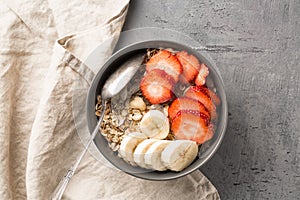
x: 190, y: 66
x: 199, y: 94
x: 185, y: 103
x: 214, y: 97
x: 157, y: 86
x: 192, y: 125
x: 166, y: 61
x: 203, y: 73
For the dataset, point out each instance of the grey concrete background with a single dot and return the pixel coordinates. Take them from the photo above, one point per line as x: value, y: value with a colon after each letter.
x: 256, y: 46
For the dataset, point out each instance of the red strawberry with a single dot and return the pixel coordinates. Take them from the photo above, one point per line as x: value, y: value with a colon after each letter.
x: 203, y: 73
x: 190, y: 66
x: 184, y: 103
x: 214, y: 97
x: 166, y: 61
x: 192, y: 125
x: 157, y: 86
x: 199, y: 94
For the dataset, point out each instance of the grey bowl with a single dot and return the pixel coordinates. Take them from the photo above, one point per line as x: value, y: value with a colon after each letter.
x: 207, y: 150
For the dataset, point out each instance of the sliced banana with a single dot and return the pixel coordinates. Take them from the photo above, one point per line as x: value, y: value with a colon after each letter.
x: 139, y: 152
x: 155, y: 125
x: 179, y: 154
x: 128, y: 145
x: 153, y: 155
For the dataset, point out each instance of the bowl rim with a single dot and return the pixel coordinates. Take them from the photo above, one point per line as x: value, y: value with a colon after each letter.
x: 134, y: 47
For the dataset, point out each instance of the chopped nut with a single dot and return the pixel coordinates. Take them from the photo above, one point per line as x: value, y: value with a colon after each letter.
x: 137, y: 117
x: 138, y: 103
x: 135, y: 112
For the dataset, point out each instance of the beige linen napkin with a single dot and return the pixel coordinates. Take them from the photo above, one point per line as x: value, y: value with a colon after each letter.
x: 38, y: 134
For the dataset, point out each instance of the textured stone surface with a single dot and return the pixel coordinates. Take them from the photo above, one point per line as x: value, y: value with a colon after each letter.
x: 256, y: 46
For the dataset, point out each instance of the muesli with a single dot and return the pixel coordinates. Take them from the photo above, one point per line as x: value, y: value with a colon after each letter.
x: 165, y: 112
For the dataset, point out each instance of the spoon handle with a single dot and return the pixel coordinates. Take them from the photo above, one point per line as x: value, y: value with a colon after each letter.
x: 61, y: 187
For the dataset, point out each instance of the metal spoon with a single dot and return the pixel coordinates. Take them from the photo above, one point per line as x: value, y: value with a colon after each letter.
x: 114, y: 84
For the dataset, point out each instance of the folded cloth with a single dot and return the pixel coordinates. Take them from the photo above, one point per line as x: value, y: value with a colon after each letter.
x: 38, y: 140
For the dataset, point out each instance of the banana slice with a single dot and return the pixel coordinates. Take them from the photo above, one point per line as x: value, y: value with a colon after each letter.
x: 153, y: 155
x: 179, y: 154
x: 128, y: 145
x: 139, y: 152
x: 155, y: 125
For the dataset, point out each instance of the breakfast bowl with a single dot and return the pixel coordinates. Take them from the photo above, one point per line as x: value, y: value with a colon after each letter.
x: 206, y: 148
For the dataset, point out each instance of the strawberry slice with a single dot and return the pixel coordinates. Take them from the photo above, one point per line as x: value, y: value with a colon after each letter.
x: 214, y: 97
x: 185, y: 103
x: 166, y: 61
x: 190, y: 66
x: 192, y: 125
x: 199, y: 94
x: 203, y: 73
x: 157, y: 86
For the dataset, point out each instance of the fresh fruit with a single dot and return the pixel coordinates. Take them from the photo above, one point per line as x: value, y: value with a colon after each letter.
x: 190, y: 66
x: 192, y: 125
x: 140, y: 151
x: 199, y: 94
x: 203, y: 73
x: 155, y: 124
x: 157, y: 86
x: 153, y: 155
x: 179, y: 154
x: 214, y: 97
x: 165, y: 61
x: 158, y: 154
x: 128, y: 145
x: 184, y: 103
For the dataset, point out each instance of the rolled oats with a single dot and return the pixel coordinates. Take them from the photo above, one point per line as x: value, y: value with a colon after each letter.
x: 124, y: 111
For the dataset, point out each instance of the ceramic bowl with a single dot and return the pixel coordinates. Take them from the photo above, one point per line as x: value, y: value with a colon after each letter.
x: 206, y: 151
